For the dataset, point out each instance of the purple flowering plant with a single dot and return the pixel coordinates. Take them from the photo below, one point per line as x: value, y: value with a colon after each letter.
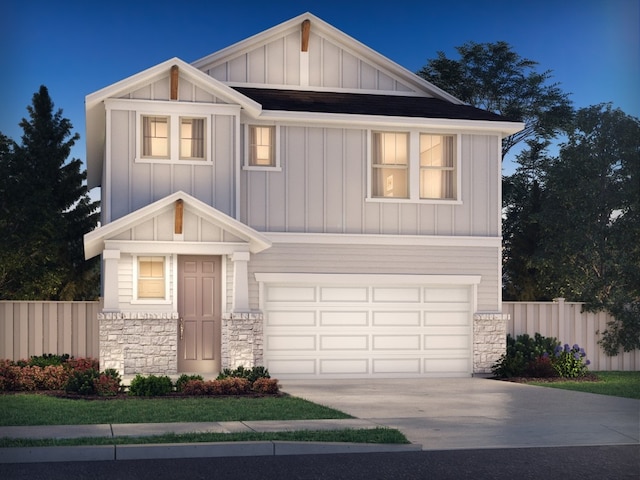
x: 570, y: 362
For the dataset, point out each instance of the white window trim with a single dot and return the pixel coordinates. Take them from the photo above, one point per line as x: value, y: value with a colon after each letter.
x: 247, y: 154
x: 174, y: 138
x: 414, y: 168
x: 167, y: 280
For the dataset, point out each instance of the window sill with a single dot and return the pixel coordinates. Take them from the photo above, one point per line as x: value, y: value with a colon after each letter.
x: 151, y: 301
x: 414, y: 201
x: 261, y: 169
x: 171, y: 161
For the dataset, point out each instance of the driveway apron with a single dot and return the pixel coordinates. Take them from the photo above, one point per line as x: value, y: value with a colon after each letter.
x: 466, y: 413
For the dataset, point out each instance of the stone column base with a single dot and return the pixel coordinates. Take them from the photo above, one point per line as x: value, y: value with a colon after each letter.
x: 242, y: 340
x: 489, y: 340
x: 139, y: 342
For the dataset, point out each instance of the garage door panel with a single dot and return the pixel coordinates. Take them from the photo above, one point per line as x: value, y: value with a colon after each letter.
x: 446, y: 365
x: 344, y: 319
x: 290, y: 294
x: 396, y: 294
x: 344, y: 366
x: 447, y: 318
x: 279, y: 318
x: 396, y: 319
x: 344, y: 294
x: 346, y: 342
x: 396, y: 365
x: 396, y: 342
x: 291, y: 342
x: 446, y: 342
x: 293, y: 367
x: 446, y: 294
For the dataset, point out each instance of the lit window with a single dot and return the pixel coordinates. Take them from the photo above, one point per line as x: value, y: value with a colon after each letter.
x: 155, y: 136
x: 192, y: 138
x: 390, y: 165
x: 437, y: 167
x: 261, y: 146
x: 151, y: 277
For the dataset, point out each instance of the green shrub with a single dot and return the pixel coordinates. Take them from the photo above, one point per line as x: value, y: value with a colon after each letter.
x: 251, y: 374
x: 521, y: 352
x: 83, y: 382
x: 48, y: 359
x: 570, y: 362
x: 184, y: 379
x: 151, y: 386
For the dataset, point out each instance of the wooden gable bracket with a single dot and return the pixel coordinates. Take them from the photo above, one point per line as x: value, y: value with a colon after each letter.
x: 306, y: 28
x: 174, y: 82
x: 178, y: 217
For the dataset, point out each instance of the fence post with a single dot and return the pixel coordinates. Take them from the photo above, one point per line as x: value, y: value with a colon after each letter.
x: 559, y: 302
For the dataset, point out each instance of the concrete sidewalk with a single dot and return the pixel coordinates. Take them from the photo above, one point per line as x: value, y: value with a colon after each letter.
x: 183, y: 450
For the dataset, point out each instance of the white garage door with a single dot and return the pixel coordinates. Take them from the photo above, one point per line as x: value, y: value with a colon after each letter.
x: 367, y: 329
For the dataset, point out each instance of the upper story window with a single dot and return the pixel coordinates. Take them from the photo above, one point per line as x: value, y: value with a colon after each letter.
x: 414, y: 166
x: 155, y: 136
x: 437, y: 167
x: 192, y: 141
x: 390, y: 165
x: 261, y: 147
x: 173, y: 137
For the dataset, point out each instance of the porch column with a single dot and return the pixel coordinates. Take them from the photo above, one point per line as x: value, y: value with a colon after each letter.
x: 240, y: 281
x: 110, y: 279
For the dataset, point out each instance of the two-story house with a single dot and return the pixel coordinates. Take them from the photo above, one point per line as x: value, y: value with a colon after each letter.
x: 297, y: 201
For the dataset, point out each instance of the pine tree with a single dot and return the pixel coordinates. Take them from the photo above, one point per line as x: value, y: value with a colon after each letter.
x: 45, y: 210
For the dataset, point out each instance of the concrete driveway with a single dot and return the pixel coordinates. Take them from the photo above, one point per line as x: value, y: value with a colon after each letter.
x: 462, y: 413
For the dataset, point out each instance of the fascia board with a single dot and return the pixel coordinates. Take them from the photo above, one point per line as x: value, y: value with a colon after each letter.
x: 178, y: 248
x: 384, y: 240
x: 366, y: 279
x: 504, y: 128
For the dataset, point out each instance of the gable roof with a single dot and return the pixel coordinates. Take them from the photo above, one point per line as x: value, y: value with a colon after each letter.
x: 94, y: 240
x: 95, y: 109
x: 338, y: 37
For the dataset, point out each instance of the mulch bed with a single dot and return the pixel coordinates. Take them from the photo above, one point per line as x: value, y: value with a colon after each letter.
x: 589, y: 377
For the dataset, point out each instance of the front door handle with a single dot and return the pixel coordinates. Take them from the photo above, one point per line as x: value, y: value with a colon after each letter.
x: 181, y: 328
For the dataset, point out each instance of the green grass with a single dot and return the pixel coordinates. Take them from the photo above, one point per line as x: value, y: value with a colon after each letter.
x: 375, y: 435
x: 33, y: 409
x: 617, y: 384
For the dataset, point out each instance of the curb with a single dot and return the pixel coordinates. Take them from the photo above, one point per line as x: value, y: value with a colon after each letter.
x: 191, y: 450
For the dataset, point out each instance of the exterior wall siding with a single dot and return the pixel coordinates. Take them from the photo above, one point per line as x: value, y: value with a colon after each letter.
x: 330, y: 66
x: 322, y: 188
x: 363, y: 259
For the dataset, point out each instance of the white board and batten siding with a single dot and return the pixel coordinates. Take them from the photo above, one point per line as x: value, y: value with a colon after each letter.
x: 367, y: 325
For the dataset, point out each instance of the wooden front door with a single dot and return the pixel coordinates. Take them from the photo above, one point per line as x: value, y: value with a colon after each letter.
x: 199, y: 306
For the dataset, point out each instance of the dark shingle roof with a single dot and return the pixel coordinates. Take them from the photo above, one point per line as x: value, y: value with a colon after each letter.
x: 364, y: 104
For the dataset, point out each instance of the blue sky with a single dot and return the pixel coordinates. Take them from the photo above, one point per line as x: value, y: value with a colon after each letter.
x: 76, y: 47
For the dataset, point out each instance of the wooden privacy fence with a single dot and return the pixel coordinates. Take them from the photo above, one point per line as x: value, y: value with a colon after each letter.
x: 569, y: 324
x: 34, y: 328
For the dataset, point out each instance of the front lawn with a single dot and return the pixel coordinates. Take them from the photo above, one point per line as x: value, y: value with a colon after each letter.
x: 617, y: 384
x: 38, y: 409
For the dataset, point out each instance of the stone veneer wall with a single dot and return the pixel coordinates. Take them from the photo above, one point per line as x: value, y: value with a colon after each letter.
x: 242, y: 340
x: 139, y: 342
x: 489, y: 340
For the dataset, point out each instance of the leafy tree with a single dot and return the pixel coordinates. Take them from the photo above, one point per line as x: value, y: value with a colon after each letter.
x: 493, y: 77
x: 573, y: 222
x: 594, y: 219
x: 45, y: 210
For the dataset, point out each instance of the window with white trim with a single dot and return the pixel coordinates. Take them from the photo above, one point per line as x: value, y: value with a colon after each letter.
x: 173, y: 137
x: 390, y: 165
x: 437, y: 167
x: 152, y: 279
x: 414, y: 166
x: 261, y: 147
